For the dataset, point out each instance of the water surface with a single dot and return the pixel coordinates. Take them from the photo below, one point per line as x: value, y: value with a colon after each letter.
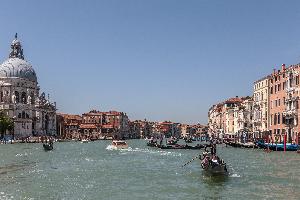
x: 90, y: 171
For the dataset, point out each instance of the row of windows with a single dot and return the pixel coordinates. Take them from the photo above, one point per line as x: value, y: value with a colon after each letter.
x: 277, y: 88
x: 23, y: 115
x: 260, y: 84
x: 276, y: 103
x: 280, y: 119
x: 259, y: 96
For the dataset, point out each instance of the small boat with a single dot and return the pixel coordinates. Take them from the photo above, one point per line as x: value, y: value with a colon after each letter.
x: 277, y: 147
x: 213, y: 165
x: 84, y: 141
x: 198, y: 146
x: 119, y: 144
x: 188, y: 140
x: 177, y: 146
x: 152, y: 143
x: 172, y: 142
x: 48, y: 146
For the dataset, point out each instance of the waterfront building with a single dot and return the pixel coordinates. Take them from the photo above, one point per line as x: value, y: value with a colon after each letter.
x: 135, y: 129
x: 231, y: 117
x: 291, y: 102
x: 215, y: 123
x: 20, y: 98
x: 261, y: 107
x: 231, y: 108
x: 68, y: 125
x: 107, y: 124
x: 168, y: 129
x: 277, y: 86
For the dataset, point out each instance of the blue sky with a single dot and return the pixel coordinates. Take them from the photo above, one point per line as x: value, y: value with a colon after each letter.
x: 160, y: 60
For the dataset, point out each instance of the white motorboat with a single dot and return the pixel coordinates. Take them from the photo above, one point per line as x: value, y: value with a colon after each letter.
x: 119, y: 144
x: 84, y: 141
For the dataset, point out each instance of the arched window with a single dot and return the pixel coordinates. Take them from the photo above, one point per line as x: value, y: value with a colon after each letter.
x: 23, y: 98
x: 23, y: 114
x: 17, y: 97
x: 32, y: 98
x: 1, y: 97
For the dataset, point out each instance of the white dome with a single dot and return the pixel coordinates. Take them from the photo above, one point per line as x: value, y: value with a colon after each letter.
x: 19, y: 68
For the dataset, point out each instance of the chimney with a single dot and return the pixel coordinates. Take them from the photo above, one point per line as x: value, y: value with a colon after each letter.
x: 283, y: 67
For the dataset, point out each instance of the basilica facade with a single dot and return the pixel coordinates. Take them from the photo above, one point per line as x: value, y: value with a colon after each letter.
x: 31, y: 111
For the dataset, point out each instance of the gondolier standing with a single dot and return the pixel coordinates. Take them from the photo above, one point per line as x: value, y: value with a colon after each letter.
x: 213, y: 147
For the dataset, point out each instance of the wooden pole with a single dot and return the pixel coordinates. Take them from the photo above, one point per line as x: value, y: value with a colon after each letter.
x: 284, y: 142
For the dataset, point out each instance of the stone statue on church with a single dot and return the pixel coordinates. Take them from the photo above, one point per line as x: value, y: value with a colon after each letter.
x: 13, y: 98
x: 29, y: 99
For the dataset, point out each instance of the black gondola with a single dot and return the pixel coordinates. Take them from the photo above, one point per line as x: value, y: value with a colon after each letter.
x: 48, y: 146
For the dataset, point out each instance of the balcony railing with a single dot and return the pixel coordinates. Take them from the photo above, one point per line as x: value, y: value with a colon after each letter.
x: 290, y: 113
x: 290, y: 89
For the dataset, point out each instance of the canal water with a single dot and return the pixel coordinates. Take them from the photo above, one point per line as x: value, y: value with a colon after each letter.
x: 75, y: 170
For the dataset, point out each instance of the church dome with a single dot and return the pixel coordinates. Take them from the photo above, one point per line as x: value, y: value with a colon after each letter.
x: 19, y: 68
x: 15, y: 65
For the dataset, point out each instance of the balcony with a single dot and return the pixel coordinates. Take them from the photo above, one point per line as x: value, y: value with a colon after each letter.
x: 289, y: 99
x: 290, y: 113
x: 290, y: 89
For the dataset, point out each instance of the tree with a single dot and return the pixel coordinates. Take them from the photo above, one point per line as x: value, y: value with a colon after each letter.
x: 6, y: 123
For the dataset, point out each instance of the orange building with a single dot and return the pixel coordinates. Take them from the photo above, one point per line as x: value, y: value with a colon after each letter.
x: 283, y: 103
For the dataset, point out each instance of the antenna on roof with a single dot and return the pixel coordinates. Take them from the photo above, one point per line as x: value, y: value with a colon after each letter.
x: 16, y: 35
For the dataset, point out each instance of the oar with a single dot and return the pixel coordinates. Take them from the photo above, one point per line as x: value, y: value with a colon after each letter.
x: 189, y: 161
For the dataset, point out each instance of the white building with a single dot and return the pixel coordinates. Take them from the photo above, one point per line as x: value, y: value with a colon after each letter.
x: 20, y: 97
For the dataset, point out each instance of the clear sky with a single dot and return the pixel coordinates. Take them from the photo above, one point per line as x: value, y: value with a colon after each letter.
x: 154, y: 59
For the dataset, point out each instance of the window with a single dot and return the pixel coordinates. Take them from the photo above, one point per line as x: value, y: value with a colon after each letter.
x: 279, y: 87
x: 271, y: 104
x: 283, y: 119
x: 278, y: 120
x: 278, y: 102
x: 23, y: 98
x: 275, y: 78
x: 283, y: 85
x: 283, y: 75
x: 275, y: 119
x: 271, y: 90
x: 271, y: 119
x: 17, y: 97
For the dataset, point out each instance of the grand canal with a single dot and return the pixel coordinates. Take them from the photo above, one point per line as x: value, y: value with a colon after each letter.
x: 90, y: 171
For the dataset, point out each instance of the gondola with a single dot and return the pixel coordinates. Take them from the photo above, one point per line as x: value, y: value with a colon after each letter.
x: 213, y: 164
x: 48, y: 147
x: 188, y: 140
x: 172, y: 142
x: 198, y: 146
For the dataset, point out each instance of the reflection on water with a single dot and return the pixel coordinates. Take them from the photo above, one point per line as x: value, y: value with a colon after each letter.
x: 90, y: 171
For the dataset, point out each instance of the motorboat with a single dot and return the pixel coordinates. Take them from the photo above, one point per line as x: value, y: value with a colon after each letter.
x: 84, y: 141
x: 119, y: 144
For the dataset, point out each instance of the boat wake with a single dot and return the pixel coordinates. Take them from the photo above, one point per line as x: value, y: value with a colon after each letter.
x: 235, y: 176
x: 138, y: 150
x: 162, y: 153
